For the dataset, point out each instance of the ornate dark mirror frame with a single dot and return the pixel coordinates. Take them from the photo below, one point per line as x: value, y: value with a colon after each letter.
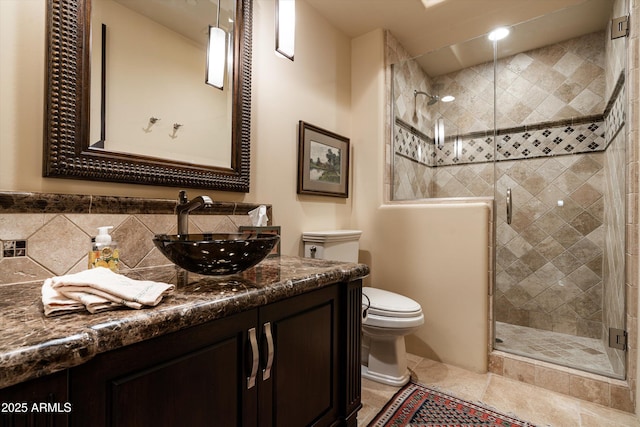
x: 66, y: 144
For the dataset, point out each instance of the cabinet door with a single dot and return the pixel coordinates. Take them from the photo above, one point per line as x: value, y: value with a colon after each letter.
x: 302, y: 387
x: 39, y: 402
x: 192, y: 377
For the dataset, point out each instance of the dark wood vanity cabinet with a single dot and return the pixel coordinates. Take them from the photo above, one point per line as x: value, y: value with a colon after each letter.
x: 304, y: 385
x: 191, y: 377
x: 294, y: 362
x: 315, y: 377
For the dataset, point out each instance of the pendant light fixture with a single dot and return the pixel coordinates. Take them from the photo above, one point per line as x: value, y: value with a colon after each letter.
x: 285, y: 27
x: 216, y: 54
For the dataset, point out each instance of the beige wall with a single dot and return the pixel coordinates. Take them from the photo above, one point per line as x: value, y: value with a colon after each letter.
x: 315, y: 88
x: 368, y: 137
x: 417, y: 250
x: 438, y: 255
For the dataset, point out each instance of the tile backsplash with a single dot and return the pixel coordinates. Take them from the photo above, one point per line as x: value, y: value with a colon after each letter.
x: 44, y: 235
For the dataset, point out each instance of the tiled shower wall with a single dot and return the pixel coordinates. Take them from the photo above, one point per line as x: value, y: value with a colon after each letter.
x: 580, y: 288
x: 44, y: 235
x: 540, y: 94
x: 549, y: 259
x: 564, y: 242
x: 551, y: 104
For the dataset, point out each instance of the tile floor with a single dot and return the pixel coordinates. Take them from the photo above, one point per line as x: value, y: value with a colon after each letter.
x: 567, y: 350
x: 536, y: 405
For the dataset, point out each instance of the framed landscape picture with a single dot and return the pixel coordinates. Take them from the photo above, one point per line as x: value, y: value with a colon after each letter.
x: 323, y: 162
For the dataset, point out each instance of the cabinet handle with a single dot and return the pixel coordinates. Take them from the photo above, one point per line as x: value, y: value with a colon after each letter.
x: 266, y: 372
x: 251, y: 381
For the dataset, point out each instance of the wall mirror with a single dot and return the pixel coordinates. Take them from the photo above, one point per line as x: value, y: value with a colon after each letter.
x: 127, y: 99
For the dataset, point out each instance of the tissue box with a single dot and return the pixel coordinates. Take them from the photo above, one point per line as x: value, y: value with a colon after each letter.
x: 275, y: 230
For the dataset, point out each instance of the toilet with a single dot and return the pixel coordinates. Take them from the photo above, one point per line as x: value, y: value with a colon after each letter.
x: 387, y: 317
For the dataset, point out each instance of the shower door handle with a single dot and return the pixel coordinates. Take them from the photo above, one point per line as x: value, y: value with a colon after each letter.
x: 509, y: 206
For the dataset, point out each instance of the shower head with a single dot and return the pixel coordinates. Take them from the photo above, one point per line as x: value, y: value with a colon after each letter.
x: 432, y: 98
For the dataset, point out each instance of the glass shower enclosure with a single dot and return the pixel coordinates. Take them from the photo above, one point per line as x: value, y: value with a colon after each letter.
x: 537, y: 124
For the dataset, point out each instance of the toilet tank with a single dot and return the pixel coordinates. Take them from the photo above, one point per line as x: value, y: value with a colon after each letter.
x: 337, y: 245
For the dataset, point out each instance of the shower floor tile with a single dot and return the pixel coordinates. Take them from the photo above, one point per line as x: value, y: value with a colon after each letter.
x: 567, y: 350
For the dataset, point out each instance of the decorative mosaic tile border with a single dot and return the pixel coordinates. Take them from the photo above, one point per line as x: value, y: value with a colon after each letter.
x: 582, y: 135
x: 13, y: 248
x: 409, y: 142
x: 614, y: 113
x: 552, y: 139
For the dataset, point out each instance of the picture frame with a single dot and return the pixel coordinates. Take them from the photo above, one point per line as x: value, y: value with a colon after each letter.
x: 323, y: 162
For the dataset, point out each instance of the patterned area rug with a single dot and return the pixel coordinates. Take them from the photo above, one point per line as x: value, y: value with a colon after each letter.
x: 417, y: 405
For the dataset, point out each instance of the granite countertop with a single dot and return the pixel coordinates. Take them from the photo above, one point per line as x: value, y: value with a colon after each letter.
x: 32, y: 345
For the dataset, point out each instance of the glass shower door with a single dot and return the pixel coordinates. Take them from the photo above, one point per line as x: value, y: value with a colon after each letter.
x: 560, y: 201
x: 551, y: 261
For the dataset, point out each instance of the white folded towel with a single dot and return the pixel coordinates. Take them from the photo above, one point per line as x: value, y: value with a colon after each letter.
x: 56, y: 304
x: 101, y: 289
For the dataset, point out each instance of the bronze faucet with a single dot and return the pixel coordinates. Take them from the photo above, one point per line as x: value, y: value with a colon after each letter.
x: 185, y: 206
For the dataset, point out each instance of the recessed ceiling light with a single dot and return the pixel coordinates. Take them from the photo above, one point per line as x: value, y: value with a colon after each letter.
x: 499, y: 33
x: 447, y: 98
x: 429, y: 3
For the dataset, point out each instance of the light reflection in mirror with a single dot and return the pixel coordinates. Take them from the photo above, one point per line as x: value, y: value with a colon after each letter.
x: 154, y: 67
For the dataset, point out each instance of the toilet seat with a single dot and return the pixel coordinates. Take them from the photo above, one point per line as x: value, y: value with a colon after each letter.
x: 396, y: 323
x: 389, y: 310
x: 385, y: 303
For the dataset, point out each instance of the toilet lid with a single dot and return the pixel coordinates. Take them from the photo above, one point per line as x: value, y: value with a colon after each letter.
x: 385, y: 303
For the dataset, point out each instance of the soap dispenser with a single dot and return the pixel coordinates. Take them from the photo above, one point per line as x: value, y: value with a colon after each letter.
x: 104, y: 251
